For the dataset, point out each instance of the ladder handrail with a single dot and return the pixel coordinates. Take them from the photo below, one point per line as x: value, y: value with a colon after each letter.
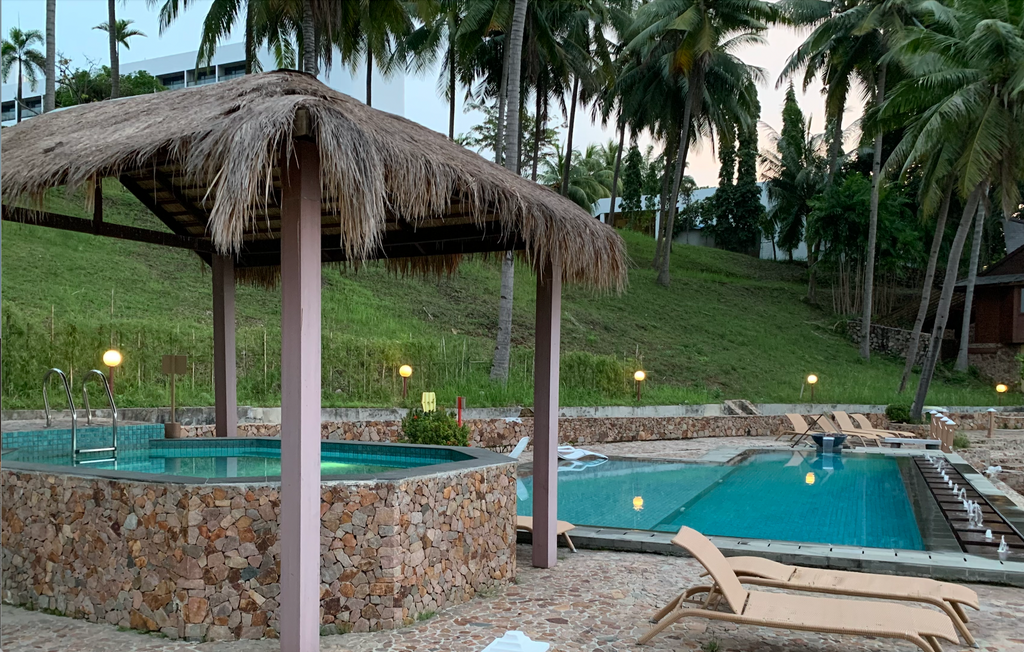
x: 88, y: 412
x: 67, y: 391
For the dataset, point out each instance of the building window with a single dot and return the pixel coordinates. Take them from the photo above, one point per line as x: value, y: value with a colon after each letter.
x: 8, y: 112
x: 33, y: 106
x: 202, y: 76
x: 232, y: 71
x: 173, y: 81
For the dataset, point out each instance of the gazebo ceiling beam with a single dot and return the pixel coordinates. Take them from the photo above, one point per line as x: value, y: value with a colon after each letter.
x: 155, y: 207
x: 82, y: 225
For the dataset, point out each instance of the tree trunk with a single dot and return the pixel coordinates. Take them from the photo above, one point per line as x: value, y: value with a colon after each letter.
x: 499, y: 146
x: 50, y: 94
x: 942, y: 313
x: 666, y: 185
x: 972, y: 276
x: 369, y: 77
x: 615, y: 175
x: 115, y: 65
x: 250, y: 42
x: 18, y: 100
x: 869, y: 265
x: 568, y: 143
x: 503, y: 346
x: 451, y: 86
x: 926, y: 291
x: 539, y: 121
x: 834, y: 143
x: 692, y: 96
x: 309, y: 39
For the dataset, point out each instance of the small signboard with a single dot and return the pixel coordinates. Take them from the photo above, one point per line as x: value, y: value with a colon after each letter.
x: 429, y: 401
x: 175, y: 364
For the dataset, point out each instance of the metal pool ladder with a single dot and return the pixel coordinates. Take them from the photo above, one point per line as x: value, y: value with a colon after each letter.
x: 112, y: 449
x: 67, y: 391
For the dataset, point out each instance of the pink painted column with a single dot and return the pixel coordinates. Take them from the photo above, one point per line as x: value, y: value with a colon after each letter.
x: 545, y: 411
x: 224, y: 371
x: 300, y: 400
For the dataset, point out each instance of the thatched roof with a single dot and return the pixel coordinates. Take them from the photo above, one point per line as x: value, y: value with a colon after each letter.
x: 206, y: 161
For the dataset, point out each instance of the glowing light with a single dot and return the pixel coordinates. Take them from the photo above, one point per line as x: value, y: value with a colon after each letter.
x: 638, y: 503
x: 405, y: 371
x: 639, y: 376
x: 112, y: 358
x: 809, y: 478
x: 811, y: 379
x: 1001, y: 388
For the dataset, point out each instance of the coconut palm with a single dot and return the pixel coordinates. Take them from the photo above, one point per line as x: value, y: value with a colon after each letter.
x: 965, y: 97
x: 17, y: 50
x: 123, y: 31
x: 368, y: 31
x: 590, y: 177
x: 695, y: 40
x: 49, y: 95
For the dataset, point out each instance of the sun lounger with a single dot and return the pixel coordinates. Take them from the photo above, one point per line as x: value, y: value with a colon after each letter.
x: 561, y: 529
x: 863, y: 435
x: 798, y: 427
x: 572, y: 453
x: 805, y: 613
x: 865, y: 424
x: 520, y: 447
x: 945, y: 596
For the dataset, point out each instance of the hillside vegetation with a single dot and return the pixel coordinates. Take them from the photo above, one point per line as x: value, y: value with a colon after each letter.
x: 730, y: 326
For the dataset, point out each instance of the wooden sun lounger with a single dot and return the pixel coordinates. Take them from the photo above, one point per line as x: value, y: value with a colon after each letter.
x: 863, y: 435
x: 865, y: 424
x: 947, y: 597
x: 562, y: 528
x: 805, y: 613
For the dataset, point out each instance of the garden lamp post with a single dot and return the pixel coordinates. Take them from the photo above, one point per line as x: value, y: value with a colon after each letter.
x: 1000, y: 390
x: 639, y: 377
x: 812, y: 380
x: 112, y: 358
x: 405, y: 371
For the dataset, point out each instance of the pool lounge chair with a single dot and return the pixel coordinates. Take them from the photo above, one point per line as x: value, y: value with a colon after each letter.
x: 864, y: 436
x: 561, y: 528
x: 573, y: 453
x: 865, y: 424
x: 520, y: 447
x: 798, y: 427
x: 797, y: 612
x: 944, y: 595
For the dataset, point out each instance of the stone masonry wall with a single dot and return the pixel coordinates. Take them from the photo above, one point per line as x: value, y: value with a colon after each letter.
x: 202, y: 562
x: 891, y: 341
x: 500, y: 433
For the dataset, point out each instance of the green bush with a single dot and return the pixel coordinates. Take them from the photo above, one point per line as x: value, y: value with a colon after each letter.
x: 437, y: 428
x: 898, y: 413
x: 961, y: 441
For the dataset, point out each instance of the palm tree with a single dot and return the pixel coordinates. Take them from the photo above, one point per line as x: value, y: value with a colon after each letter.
x: 266, y: 22
x: 590, y: 177
x: 965, y: 99
x: 17, y: 49
x: 118, y: 36
x: 122, y: 32
x: 368, y: 30
x: 49, y: 95
x: 503, y: 345
x: 700, y: 36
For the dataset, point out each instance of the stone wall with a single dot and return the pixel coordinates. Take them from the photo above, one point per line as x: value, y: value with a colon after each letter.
x: 891, y: 341
x: 996, y: 361
x: 505, y: 432
x: 202, y: 561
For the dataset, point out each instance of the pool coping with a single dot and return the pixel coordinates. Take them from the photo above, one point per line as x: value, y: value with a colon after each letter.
x: 478, y: 458
x: 940, y: 565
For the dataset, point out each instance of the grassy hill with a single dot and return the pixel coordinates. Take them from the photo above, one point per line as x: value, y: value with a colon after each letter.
x: 729, y: 327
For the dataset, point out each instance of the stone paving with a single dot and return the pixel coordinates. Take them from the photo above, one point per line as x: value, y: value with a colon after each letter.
x: 593, y: 601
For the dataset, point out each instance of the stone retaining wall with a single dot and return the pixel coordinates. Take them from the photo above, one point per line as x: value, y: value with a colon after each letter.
x: 888, y: 340
x: 202, y: 561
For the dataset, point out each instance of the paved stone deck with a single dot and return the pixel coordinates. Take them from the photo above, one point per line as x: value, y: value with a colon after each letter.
x: 591, y: 602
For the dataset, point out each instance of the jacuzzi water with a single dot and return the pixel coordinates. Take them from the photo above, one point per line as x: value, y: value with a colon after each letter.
x: 236, y: 458
x: 789, y: 496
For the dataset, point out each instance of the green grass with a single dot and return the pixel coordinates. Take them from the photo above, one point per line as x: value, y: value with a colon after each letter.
x: 730, y: 326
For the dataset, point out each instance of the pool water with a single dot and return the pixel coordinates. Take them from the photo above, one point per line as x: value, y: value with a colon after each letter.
x: 789, y: 496
x: 233, y: 458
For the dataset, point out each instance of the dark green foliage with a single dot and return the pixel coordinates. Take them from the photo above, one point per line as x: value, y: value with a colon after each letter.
x: 84, y: 86
x: 961, y: 441
x: 898, y: 412
x: 437, y: 428
x: 632, y: 180
x: 737, y: 201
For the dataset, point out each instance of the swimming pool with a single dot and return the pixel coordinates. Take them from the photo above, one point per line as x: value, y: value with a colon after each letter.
x: 236, y: 458
x: 852, y: 499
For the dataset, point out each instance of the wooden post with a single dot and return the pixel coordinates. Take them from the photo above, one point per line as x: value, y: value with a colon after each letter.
x: 300, y: 400
x: 545, y: 410
x: 991, y: 422
x: 224, y: 370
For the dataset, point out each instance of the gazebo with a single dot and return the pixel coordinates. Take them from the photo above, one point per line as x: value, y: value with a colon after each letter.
x: 271, y: 175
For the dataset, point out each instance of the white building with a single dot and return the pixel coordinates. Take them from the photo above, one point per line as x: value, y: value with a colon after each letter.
x: 695, y: 236
x: 179, y: 71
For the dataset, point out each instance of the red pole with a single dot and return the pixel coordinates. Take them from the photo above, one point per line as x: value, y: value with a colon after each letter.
x: 458, y: 403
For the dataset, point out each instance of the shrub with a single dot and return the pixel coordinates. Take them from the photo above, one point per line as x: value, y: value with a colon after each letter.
x: 898, y: 413
x: 961, y: 441
x: 437, y: 428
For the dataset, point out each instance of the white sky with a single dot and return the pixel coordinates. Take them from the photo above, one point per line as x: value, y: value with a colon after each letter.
x: 78, y: 41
